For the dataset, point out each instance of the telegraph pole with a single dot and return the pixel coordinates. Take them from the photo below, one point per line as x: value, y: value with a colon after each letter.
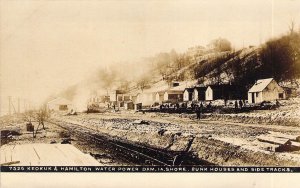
x: 9, y: 105
x: 18, y: 105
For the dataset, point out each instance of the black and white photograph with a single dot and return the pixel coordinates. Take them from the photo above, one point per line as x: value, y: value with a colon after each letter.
x: 149, y: 87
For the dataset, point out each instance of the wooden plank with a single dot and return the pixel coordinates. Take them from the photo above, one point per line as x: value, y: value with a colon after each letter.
x: 9, y: 163
x: 295, y: 144
x: 46, y: 155
x: 286, y: 136
x: 273, y: 140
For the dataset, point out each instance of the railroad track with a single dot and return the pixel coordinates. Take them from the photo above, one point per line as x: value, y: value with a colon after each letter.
x: 129, y: 151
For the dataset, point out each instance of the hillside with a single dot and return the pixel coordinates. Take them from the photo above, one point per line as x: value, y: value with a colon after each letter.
x: 278, y: 58
x: 217, y: 63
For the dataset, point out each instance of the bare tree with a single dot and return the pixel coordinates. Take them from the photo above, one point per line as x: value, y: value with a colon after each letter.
x: 40, y: 117
x: 220, y: 45
x: 29, y: 116
x: 143, y: 83
x: 292, y: 26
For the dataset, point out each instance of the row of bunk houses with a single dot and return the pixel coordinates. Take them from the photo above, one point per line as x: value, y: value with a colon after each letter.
x: 120, y: 98
x: 212, y: 92
x: 262, y: 90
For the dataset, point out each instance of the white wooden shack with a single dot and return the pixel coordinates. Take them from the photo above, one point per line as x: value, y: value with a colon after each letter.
x: 265, y: 90
x: 145, y: 98
x: 199, y: 93
x: 173, y: 95
x: 188, y: 94
x: 60, y: 104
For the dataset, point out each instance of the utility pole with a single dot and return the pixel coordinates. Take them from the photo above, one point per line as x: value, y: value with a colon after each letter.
x: 24, y: 105
x: 9, y: 109
x: 18, y: 105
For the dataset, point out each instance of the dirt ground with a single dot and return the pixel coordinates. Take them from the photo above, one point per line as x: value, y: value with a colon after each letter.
x: 238, y: 140
x: 223, y: 139
x: 51, y: 134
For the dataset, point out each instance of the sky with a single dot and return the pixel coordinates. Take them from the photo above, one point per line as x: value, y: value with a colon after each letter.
x: 47, y: 45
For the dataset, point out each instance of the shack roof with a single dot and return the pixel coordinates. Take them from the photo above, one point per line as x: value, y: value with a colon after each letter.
x: 60, y: 101
x: 117, y: 91
x: 174, y: 92
x: 190, y: 90
x: 200, y: 89
x: 260, y: 85
x: 40, y: 154
x: 223, y: 87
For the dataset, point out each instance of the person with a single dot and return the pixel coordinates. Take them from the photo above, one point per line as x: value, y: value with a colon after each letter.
x: 198, y: 112
x: 236, y: 105
x: 201, y: 107
x: 241, y: 104
x: 209, y: 105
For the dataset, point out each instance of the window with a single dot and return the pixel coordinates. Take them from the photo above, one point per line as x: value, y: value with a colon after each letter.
x: 280, y: 95
x: 257, y: 94
x: 126, y: 98
x: 120, y: 98
x: 63, y: 107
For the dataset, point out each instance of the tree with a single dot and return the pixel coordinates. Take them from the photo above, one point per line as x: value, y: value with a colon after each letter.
x: 29, y: 116
x: 143, y: 83
x: 42, y: 115
x: 220, y: 45
x: 281, y: 57
x: 39, y: 116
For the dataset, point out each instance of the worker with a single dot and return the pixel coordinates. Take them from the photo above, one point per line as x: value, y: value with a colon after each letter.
x: 236, y: 105
x: 241, y: 104
x: 209, y: 105
x: 277, y: 103
x: 198, y: 112
x: 201, y: 107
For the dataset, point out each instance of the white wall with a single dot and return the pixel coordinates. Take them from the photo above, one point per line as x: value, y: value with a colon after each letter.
x: 166, y: 96
x: 195, y: 95
x: 209, y: 94
x: 112, y: 97
x: 146, y: 99
x: 55, y: 107
x: 250, y: 97
x: 186, y: 96
x: 157, y: 97
x: 258, y: 97
x: 270, y: 93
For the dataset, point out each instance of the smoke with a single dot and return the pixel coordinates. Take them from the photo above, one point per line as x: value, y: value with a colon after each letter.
x: 81, y: 98
x: 103, y: 80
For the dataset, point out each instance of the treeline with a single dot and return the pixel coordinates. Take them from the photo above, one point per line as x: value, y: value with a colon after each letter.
x: 278, y: 58
x: 281, y: 57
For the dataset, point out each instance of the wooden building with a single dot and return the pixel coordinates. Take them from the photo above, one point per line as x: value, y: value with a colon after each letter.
x: 145, y: 98
x: 199, y: 93
x: 173, y: 96
x: 188, y: 94
x: 60, y: 104
x: 159, y: 97
x: 223, y: 91
x: 265, y: 90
